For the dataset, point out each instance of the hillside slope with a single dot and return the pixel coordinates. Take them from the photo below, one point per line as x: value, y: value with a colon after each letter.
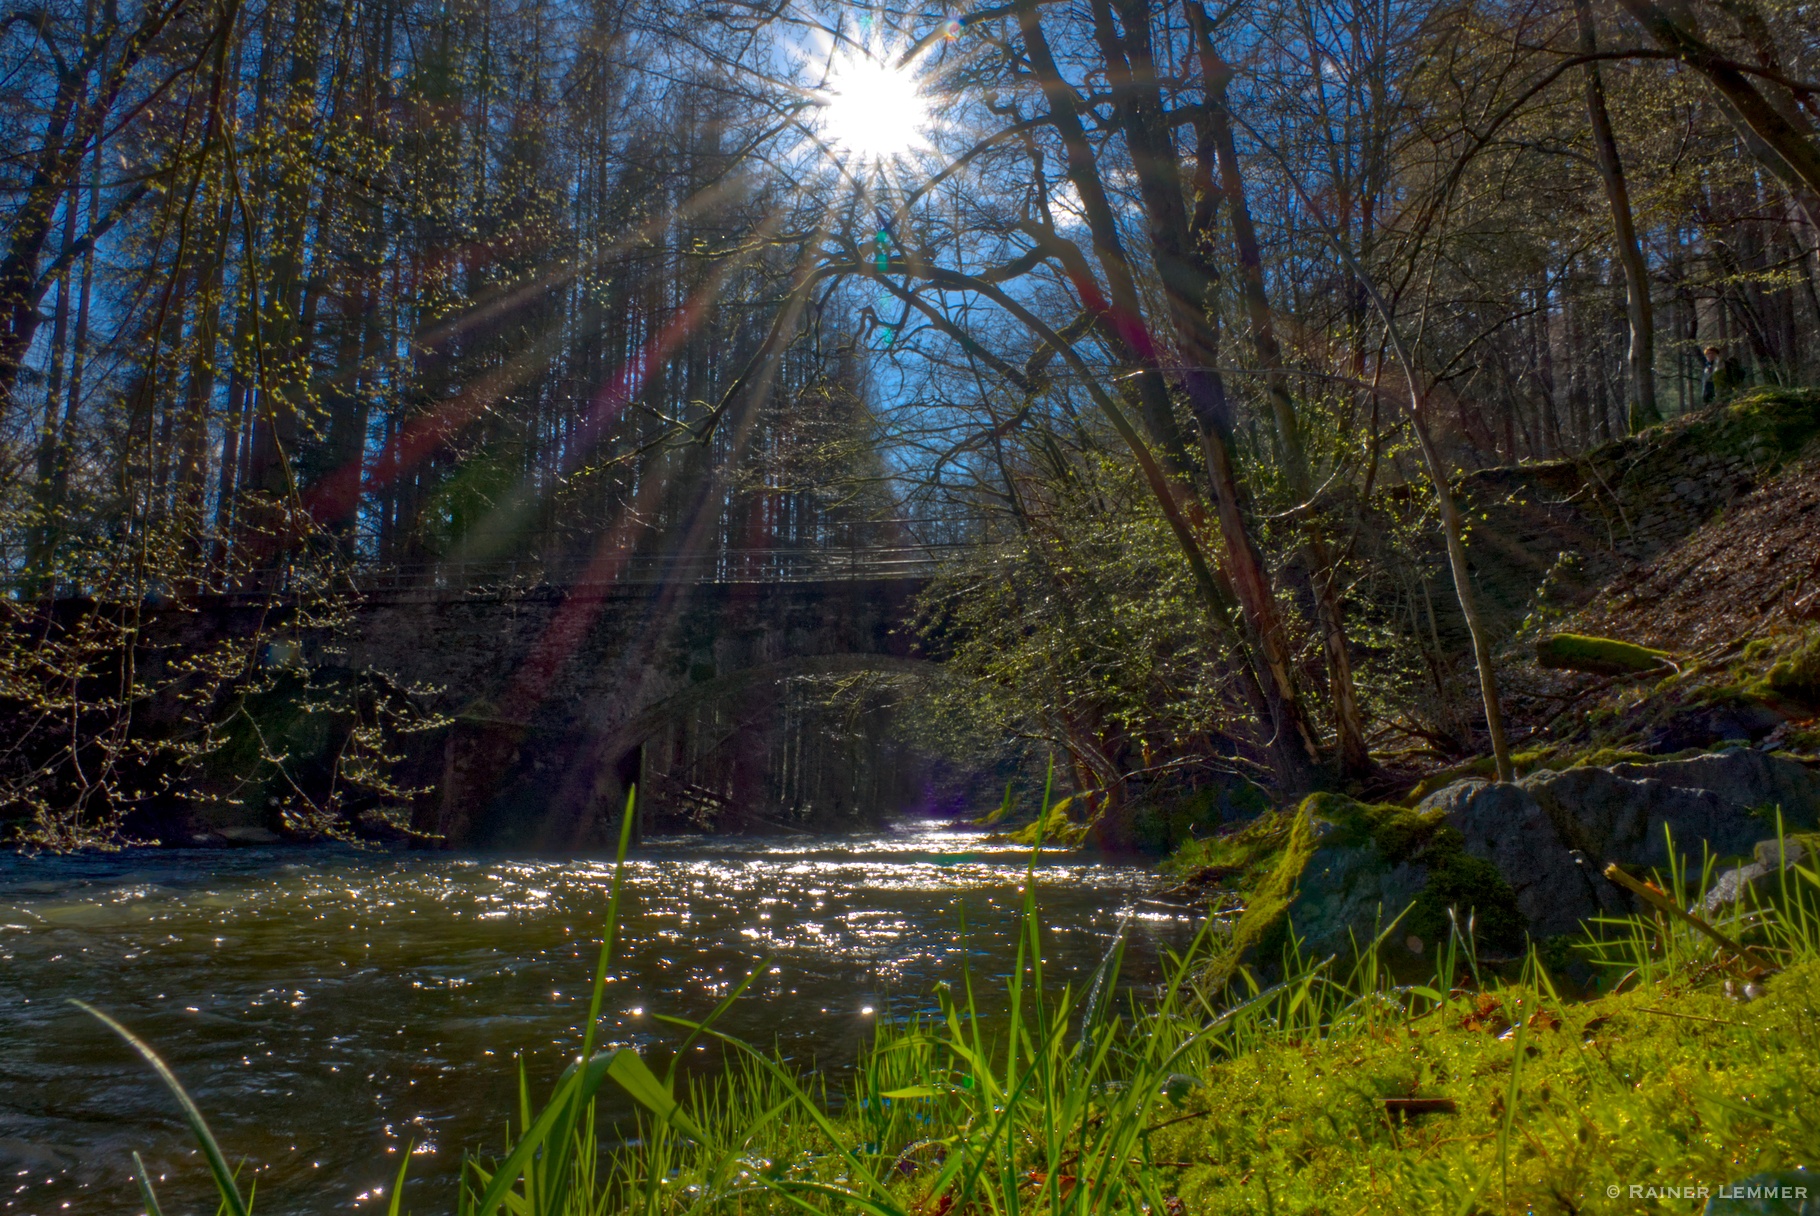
x: 1752, y: 572
x: 1737, y: 606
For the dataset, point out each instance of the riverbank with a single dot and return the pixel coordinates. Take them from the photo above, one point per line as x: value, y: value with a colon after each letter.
x: 1690, y: 1086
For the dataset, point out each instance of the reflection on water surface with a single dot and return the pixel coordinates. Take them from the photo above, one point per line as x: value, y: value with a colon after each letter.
x: 329, y: 1008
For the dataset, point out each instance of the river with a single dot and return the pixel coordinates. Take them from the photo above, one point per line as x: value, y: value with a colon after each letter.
x: 330, y: 1008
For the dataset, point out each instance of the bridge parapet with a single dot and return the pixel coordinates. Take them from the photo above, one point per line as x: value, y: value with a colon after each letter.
x: 725, y: 567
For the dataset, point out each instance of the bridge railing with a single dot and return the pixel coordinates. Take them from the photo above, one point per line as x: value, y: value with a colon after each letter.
x: 725, y: 566
x: 519, y: 573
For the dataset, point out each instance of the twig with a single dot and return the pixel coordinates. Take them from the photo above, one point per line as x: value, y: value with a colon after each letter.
x: 1658, y: 900
x: 1196, y: 1114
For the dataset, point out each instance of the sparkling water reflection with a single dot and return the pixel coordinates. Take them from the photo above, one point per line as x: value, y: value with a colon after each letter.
x: 330, y: 1009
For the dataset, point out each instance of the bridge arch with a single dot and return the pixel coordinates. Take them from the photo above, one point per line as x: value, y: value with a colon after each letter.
x: 607, y: 669
x: 674, y: 797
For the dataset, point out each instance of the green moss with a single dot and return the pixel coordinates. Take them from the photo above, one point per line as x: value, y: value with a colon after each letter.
x: 1058, y: 828
x: 1246, y: 851
x: 1262, y: 929
x: 1524, y: 762
x: 1657, y: 1086
x: 1455, y: 878
x: 1789, y: 418
x: 1164, y: 826
x: 1399, y: 833
x: 1722, y: 694
x: 1385, y: 837
x: 1598, y: 656
x: 1462, y: 883
x: 1758, y: 650
x: 1605, y: 757
x: 1796, y: 677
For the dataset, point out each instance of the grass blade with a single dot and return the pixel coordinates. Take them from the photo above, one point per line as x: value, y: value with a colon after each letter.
x: 392, y: 1208
x: 577, y: 1084
x: 636, y: 1078
x: 218, y: 1166
x: 145, y: 1188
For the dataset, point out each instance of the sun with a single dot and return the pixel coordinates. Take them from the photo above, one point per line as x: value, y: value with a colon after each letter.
x: 872, y: 107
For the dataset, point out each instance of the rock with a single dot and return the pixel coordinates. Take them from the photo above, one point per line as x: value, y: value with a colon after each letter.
x: 1762, y: 875
x: 1551, y: 834
x: 1507, y: 826
x: 1630, y: 818
x: 1745, y: 779
x: 249, y: 835
x: 1529, y: 856
x: 1371, y: 864
x: 1745, y: 721
x: 1349, y: 890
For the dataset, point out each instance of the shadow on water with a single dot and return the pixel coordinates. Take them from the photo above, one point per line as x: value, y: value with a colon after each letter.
x: 328, y: 1008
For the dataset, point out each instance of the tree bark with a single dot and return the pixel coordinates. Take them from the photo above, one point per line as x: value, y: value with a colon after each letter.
x: 1121, y: 315
x: 1187, y: 279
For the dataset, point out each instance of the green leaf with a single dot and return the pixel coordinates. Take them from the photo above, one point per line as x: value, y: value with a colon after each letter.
x: 393, y: 1208
x: 914, y: 1091
x: 577, y: 1084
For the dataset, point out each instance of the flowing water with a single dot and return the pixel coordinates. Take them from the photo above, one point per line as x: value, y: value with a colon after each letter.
x: 332, y: 1008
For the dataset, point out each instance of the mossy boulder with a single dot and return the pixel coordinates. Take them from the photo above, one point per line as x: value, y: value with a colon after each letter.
x: 1236, y: 858
x: 1372, y: 863
x: 1551, y: 834
x: 1059, y: 827
x: 1522, y: 859
x: 1777, y: 422
x: 1796, y: 676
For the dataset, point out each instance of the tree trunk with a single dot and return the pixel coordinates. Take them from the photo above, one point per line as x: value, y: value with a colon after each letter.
x: 1355, y: 754
x: 1642, y: 356
x: 1787, y: 145
x: 1295, y: 747
x: 1437, y: 472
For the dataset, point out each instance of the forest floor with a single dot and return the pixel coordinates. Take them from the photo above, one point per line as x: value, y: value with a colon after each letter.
x: 1752, y: 572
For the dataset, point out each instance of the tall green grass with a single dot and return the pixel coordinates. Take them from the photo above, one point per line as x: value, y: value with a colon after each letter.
x: 1076, y: 1096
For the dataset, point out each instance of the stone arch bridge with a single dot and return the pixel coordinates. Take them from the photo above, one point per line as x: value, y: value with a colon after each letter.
x: 562, y: 695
